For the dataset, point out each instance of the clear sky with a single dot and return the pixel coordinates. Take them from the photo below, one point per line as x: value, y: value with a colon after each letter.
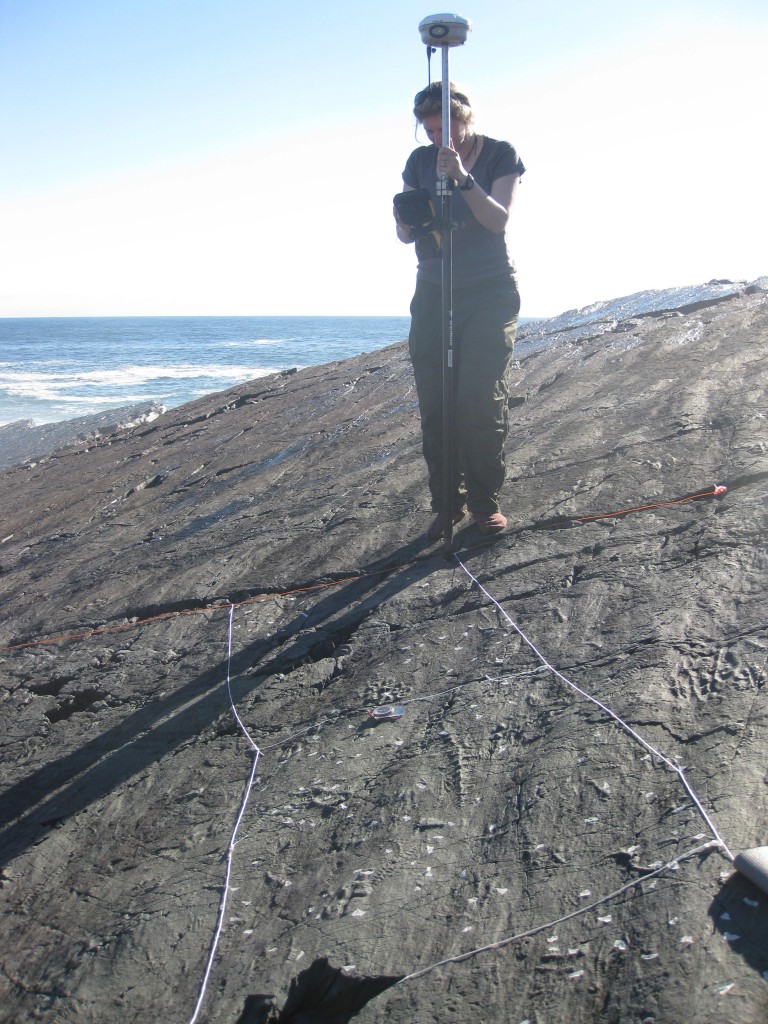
x: 187, y: 158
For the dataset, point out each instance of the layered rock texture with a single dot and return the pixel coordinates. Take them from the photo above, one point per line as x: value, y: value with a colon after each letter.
x: 579, y: 725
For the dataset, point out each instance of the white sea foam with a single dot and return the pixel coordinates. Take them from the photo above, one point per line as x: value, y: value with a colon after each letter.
x: 53, y: 369
x: 57, y: 387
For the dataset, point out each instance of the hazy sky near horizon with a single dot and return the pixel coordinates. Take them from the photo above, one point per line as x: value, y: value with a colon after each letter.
x: 172, y: 157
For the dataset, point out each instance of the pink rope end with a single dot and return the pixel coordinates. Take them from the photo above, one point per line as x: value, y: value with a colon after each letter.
x: 721, y: 489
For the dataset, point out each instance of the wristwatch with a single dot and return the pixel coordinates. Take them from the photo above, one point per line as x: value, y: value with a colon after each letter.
x: 468, y: 184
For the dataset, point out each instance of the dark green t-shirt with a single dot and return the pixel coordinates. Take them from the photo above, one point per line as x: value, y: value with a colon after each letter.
x: 478, y: 254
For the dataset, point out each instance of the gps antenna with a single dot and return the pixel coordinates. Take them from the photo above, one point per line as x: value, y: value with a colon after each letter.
x: 444, y: 31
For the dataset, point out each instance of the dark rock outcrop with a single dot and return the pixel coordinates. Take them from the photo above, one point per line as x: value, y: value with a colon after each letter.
x: 25, y: 440
x: 507, y: 827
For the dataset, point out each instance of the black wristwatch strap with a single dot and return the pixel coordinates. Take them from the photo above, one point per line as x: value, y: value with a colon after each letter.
x: 468, y: 184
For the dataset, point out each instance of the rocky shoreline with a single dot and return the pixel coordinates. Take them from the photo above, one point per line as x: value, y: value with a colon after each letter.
x: 25, y: 440
x: 265, y: 543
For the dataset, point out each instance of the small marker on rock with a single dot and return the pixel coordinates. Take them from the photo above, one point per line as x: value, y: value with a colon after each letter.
x: 388, y: 711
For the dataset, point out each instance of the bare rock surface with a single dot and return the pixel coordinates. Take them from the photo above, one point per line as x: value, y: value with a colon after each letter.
x: 266, y: 543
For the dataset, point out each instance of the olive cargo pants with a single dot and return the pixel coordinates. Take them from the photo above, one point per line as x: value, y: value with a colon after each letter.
x: 484, y: 327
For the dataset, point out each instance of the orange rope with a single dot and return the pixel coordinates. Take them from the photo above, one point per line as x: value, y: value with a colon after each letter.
x: 122, y: 627
x: 720, y: 489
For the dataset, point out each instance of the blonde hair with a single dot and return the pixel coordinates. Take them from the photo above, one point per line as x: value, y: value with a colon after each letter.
x: 430, y: 101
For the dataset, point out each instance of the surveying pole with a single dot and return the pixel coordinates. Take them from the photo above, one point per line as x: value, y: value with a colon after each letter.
x: 442, y: 31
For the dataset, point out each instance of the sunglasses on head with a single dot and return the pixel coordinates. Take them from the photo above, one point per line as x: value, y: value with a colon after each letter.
x: 436, y: 87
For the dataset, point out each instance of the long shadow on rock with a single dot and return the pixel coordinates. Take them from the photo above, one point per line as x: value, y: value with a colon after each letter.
x: 739, y: 912
x: 321, y: 994
x: 30, y: 809
x: 342, y: 612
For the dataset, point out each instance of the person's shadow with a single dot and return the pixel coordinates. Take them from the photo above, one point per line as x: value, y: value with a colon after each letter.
x: 36, y: 804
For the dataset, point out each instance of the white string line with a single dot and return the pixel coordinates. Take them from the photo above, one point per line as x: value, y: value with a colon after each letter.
x: 243, y: 729
x: 680, y: 772
x: 669, y: 866
x: 246, y: 796
x: 233, y: 839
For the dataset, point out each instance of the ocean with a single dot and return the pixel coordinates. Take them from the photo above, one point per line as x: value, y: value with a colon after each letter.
x: 59, y: 368
x: 55, y: 369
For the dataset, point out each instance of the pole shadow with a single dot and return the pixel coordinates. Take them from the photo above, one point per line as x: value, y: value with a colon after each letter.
x: 30, y: 809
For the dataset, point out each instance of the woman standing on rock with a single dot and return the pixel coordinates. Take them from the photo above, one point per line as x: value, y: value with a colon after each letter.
x: 485, y: 308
